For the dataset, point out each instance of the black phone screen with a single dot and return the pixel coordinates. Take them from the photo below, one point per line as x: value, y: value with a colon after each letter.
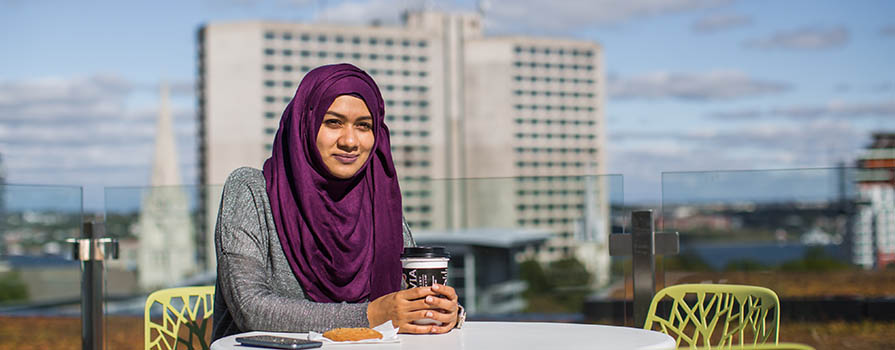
x: 271, y: 341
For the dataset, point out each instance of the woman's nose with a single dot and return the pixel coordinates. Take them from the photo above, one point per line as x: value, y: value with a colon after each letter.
x: 348, y: 139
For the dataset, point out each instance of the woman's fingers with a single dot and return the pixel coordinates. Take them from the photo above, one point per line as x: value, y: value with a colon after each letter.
x: 445, y: 290
x: 414, y: 329
x: 415, y: 293
x: 447, y: 305
x: 444, y: 328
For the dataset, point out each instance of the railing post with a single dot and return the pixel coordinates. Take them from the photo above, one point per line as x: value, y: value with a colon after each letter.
x: 91, y: 249
x: 643, y: 244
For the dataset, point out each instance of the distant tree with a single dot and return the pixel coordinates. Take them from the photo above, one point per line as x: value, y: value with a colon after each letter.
x: 815, y: 259
x: 561, y: 287
x: 532, y: 273
x: 12, y: 287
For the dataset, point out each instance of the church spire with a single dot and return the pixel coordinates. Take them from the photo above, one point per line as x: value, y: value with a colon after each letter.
x: 165, y: 171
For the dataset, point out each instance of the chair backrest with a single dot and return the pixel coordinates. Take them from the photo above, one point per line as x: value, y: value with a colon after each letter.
x: 190, y: 307
x: 716, y: 316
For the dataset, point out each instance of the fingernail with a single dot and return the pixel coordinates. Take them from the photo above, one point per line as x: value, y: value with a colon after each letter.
x: 429, y: 299
x: 435, y: 287
x: 429, y: 314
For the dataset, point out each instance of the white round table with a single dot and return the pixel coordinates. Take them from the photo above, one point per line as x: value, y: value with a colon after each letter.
x: 504, y: 335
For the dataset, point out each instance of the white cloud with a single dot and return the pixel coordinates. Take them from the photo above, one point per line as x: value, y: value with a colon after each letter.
x: 839, y: 109
x: 809, y: 38
x: 833, y: 110
x: 576, y: 14
x: 720, y: 22
x: 81, y: 130
x: 715, y: 85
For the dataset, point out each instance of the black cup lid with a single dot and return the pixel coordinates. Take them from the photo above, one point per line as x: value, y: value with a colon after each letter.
x: 425, y: 252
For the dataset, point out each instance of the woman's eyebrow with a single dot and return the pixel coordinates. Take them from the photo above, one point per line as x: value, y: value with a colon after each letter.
x: 336, y: 114
x: 343, y: 117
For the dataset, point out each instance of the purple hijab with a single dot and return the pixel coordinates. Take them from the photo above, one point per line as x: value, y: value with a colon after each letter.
x: 340, y: 245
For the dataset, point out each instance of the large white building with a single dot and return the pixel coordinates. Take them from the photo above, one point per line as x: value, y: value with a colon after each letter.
x: 516, y: 121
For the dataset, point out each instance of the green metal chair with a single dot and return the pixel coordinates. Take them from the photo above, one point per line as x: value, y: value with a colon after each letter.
x: 717, y: 316
x: 190, y: 307
x: 766, y: 346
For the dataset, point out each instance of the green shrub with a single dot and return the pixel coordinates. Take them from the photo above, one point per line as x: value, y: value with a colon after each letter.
x: 12, y: 287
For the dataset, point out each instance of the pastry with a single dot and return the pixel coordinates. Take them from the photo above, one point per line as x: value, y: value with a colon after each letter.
x: 352, y: 334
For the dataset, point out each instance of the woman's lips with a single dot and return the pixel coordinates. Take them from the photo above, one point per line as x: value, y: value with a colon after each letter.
x: 345, y: 158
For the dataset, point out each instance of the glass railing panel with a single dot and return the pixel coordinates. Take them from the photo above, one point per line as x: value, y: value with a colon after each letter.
x: 525, y: 248
x: 40, y: 285
x: 804, y: 233
x: 166, y: 239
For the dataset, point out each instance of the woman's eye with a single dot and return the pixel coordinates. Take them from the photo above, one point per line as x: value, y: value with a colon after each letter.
x: 365, y: 126
x: 332, y: 122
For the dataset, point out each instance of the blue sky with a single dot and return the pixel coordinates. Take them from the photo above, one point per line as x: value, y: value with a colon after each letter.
x: 693, y: 84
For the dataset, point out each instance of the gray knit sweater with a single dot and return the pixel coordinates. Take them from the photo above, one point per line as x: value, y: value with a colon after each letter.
x: 255, y: 288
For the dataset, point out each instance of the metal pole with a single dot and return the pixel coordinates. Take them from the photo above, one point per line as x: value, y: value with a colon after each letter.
x: 644, y: 264
x: 91, y: 249
x: 91, y: 292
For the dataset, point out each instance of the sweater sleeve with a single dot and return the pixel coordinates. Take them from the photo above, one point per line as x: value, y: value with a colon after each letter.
x: 254, y: 297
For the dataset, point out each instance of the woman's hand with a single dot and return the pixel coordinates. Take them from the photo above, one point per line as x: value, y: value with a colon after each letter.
x: 402, y: 308
x: 445, y: 308
x: 405, y: 306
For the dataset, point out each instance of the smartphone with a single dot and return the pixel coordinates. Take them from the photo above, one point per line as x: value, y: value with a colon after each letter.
x: 272, y: 341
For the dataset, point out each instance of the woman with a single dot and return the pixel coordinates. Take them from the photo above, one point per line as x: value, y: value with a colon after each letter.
x: 314, y: 241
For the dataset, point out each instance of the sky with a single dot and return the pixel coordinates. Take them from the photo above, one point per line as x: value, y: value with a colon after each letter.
x: 692, y: 84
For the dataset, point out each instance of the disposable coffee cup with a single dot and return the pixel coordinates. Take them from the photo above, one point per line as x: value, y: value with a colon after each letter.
x: 424, y: 266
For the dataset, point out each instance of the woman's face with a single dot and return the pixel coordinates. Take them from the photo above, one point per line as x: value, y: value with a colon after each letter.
x: 345, y: 137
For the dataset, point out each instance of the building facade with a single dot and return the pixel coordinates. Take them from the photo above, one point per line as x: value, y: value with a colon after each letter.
x: 485, y: 131
x: 874, y: 235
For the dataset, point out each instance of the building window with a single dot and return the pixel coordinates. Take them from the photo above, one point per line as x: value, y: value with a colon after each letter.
x: 268, y: 35
x: 373, y: 41
x: 355, y: 40
x: 269, y: 83
x: 405, y: 43
x: 270, y: 115
x: 270, y: 131
x: 268, y: 52
x: 321, y: 54
x: 340, y: 39
x: 268, y: 67
x: 305, y: 37
x: 287, y: 52
x: 321, y: 38
x: 287, y: 68
x: 340, y: 54
x: 269, y: 99
x: 286, y: 99
x: 389, y: 42
x: 422, y: 43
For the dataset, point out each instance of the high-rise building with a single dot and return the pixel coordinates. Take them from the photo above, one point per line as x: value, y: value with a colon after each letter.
x: 874, y: 234
x: 516, y: 122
